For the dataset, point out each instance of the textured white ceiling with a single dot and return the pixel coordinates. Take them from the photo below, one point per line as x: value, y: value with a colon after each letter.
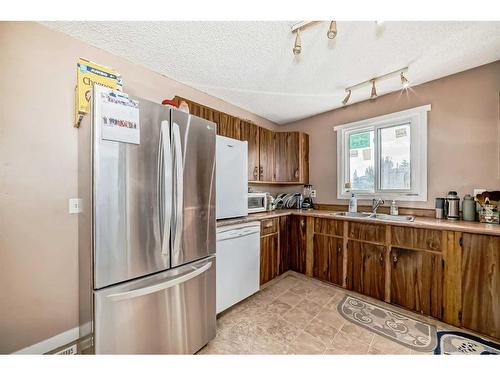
x: 251, y: 64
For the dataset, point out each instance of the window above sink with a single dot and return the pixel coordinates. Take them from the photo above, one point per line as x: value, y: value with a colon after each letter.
x: 384, y: 157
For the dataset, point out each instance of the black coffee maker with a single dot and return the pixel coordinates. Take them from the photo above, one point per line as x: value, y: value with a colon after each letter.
x: 307, y: 203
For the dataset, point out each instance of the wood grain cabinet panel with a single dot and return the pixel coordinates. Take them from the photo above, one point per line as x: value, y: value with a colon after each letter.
x: 229, y: 126
x: 250, y: 132
x: 329, y: 226
x: 481, y: 283
x: 269, y: 226
x: 298, y: 243
x: 269, y: 257
x: 428, y: 239
x: 417, y: 280
x: 284, y: 231
x: 328, y: 258
x: 367, y: 232
x: 287, y: 156
x: 366, y: 269
x: 266, y: 155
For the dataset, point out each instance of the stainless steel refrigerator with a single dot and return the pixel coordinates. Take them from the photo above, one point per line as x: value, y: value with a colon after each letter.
x: 147, y: 227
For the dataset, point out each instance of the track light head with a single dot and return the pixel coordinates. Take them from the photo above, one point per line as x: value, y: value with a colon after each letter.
x: 297, y: 47
x: 404, y: 81
x: 346, y: 99
x: 332, y: 30
x: 374, y: 91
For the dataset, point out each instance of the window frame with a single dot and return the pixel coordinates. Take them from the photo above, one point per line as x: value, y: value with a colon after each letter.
x: 417, y: 119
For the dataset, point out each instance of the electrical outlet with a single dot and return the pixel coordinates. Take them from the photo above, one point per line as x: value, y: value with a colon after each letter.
x: 75, y: 205
x: 313, y: 193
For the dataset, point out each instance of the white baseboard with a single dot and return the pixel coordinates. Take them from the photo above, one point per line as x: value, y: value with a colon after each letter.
x: 51, y: 343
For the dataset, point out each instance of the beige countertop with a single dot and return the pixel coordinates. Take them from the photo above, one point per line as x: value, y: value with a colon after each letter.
x: 420, y: 222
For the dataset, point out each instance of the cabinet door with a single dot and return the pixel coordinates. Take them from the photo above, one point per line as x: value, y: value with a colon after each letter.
x: 298, y: 243
x: 416, y: 281
x: 481, y: 283
x: 250, y: 133
x: 269, y: 257
x: 366, y: 268
x: 229, y: 126
x: 266, y: 155
x: 284, y: 232
x: 327, y: 258
x: 287, y: 156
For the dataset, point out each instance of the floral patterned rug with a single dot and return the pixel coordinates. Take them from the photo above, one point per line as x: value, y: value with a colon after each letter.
x: 452, y: 342
x: 398, y: 327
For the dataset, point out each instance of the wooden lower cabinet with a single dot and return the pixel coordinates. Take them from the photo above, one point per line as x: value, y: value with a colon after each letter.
x: 298, y: 243
x: 417, y: 280
x: 328, y: 258
x: 481, y: 283
x: 366, y: 268
x: 269, y: 257
x: 284, y: 258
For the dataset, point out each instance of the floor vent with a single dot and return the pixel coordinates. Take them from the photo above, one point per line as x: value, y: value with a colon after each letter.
x: 68, y: 351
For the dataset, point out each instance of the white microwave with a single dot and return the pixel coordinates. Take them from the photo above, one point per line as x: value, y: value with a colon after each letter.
x: 257, y: 202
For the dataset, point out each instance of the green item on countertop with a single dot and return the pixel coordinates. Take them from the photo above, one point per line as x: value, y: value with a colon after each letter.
x: 469, y: 208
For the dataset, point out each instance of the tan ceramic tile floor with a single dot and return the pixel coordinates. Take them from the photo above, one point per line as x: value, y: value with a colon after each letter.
x: 295, y: 314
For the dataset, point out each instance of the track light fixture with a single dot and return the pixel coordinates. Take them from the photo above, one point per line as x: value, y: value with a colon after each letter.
x: 371, y: 82
x: 332, y: 30
x: 374, y: 91
x: 404, y: 81
x: 346, y: 99
x: 297, y: 47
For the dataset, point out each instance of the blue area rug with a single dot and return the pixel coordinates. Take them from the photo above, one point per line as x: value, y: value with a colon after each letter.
x: 453, y: 342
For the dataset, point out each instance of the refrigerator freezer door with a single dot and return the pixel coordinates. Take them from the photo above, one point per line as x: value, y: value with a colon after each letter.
x: 132, y: 199
x: 193, y: 218
x: 172, y: 312
x: 232, y: 179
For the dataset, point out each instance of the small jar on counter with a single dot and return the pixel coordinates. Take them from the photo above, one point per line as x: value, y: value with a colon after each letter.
x: 469, y: 208
x: 439, y: 208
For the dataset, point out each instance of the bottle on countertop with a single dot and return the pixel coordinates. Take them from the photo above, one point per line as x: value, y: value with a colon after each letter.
x: 353, y: 203
x: 394, y: 208
x: 469, y: 208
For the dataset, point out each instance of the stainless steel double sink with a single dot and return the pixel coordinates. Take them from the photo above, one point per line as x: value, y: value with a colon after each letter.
x: 374, y: 216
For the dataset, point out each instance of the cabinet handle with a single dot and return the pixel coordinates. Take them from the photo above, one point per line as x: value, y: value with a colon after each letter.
x: 296, y: 173
x: 255, y: 170
x: 268, y: 225
x: 381, y: 258
x: 338, y: 250
x: 395, y: 259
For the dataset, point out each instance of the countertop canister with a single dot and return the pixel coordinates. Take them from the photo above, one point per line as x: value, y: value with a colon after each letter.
x: 469, y: 208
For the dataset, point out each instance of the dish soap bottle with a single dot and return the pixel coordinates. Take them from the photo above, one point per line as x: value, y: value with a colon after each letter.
x: 394, y: 208
x: 353, y: 204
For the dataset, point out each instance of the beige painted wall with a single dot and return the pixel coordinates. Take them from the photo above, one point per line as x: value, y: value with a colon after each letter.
x: 463, y: 134
x: 38, y: 174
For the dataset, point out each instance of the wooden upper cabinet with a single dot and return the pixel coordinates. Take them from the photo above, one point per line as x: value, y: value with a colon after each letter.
x: 416, y: 280
x: 229, y: 126
x: 291, y: 157
x: 266, y: 155
x: 273, y: 157
x: 481, y: 283
x: 250, y: 132
x: 366, y: 269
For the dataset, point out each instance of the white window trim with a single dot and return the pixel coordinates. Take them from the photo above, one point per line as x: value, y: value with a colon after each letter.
x: 417, y: 117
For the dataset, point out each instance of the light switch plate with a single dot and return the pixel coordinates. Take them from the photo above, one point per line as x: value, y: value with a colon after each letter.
x: 75, y: 205
x: 313, y: 193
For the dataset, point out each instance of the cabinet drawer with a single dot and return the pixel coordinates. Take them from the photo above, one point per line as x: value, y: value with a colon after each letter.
x: 269, y: 226
x: 427, y: 239
x: 367, y: 232
x: 329, y: 226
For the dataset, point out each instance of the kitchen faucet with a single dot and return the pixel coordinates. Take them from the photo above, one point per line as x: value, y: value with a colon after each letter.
x: 376, y: 203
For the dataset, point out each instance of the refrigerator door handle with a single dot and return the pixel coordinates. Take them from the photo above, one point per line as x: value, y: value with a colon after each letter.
x: 165, y: 178
x: 178, y: 191
x: 161, y: 286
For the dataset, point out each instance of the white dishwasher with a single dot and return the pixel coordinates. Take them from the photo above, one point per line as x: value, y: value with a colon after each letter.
x: 238, y: 263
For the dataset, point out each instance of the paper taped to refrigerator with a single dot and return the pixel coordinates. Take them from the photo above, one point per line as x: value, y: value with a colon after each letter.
x: 120, y: 118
